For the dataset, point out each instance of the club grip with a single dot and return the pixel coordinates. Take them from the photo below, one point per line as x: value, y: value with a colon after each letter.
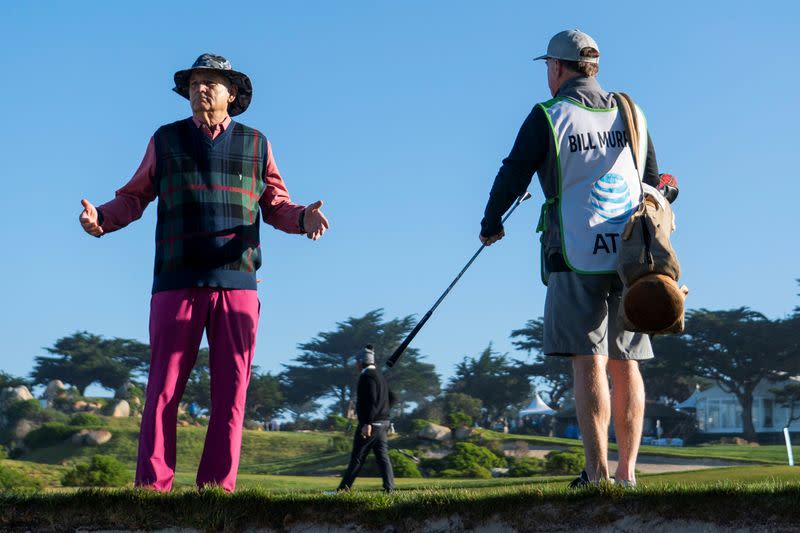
x: 403, y: 345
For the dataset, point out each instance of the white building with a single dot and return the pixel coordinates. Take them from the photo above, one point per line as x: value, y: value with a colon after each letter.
x: 718, y: 411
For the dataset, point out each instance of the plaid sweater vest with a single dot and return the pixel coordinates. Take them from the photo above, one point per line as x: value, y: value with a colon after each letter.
x: 207, y: 234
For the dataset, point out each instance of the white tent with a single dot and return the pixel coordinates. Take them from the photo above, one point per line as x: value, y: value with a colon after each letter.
x: 536, y: 407
x: 691, y: 401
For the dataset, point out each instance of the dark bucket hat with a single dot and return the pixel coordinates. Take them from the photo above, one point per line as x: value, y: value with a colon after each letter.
x: 223, y: 66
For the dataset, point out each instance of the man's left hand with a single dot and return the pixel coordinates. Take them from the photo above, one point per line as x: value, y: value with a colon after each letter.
x: 366, y: 431
x: 314, y: 222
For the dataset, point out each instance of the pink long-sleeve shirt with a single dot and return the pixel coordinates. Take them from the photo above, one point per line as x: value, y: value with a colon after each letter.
x: 131, y: 200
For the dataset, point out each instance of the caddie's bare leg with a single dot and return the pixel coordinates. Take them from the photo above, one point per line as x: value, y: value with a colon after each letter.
x: 627, y: 405
x: 592, y: 405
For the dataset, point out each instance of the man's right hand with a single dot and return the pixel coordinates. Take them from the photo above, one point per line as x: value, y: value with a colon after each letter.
x: 488, y: 241
x: 88, y: 219
x: 366, y: 431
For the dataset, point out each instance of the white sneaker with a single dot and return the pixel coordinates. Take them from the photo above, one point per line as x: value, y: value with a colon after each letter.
x: 625, y: 483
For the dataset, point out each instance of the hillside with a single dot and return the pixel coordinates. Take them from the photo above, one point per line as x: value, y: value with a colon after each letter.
x: 262, y: 452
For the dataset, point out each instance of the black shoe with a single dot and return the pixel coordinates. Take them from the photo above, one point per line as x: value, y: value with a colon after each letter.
x: 580, y: 481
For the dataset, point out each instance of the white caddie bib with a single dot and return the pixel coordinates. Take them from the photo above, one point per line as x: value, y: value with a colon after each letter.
x: 599, y: 185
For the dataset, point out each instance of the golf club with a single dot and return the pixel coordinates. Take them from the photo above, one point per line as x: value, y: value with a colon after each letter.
x: 401, y: 452
x: 403, y: 345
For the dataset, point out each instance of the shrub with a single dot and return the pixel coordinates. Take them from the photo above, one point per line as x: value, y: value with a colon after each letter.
x: 430, y: 466
x: 28, y: 410
x: 466, y: 460
x: 403, y: 466
x: 87, y: 419
x: 65, y: 403
x: 48, y: 435
x: 459, y: 419
x: 496, y: 447
x: 564, y: 462
x: 339, y: 423
x: 102, y: 471
x: 16, y: 453
x: 11, y: 479
x: 17, y: 411
x: 526, y: 467
x: 473, y: 471
x: 340, y: 443
x: 50, y: 414
x: 20, y: 410
x: 466, y: 455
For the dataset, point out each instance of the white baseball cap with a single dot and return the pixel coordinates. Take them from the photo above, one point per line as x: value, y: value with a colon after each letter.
x: 567, y: 45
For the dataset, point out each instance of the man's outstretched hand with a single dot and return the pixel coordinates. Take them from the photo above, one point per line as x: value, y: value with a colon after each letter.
x: 88, y: 219
x: 314, y: 221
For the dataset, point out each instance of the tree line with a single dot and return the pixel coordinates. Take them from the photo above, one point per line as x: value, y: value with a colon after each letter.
x: 734, y: 348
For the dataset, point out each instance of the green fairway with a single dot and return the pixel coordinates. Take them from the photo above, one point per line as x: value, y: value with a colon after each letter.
x: 743, y: 477
x: 709, y: 477
x: 50, y: 476
x: 739, y: 474
x: 773, y: 453
x: 322, y: 483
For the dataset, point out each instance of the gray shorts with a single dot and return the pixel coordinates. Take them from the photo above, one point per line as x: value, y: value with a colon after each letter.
x: 580, y: 318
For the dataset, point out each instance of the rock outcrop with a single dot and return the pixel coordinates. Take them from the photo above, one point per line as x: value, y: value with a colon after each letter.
x: 435, y: 432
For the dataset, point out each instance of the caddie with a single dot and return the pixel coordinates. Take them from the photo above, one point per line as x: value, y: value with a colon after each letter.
x: 213, y: 177
x: 578, y: 144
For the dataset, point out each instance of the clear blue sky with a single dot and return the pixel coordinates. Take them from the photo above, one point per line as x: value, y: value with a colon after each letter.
x: 397, y: 115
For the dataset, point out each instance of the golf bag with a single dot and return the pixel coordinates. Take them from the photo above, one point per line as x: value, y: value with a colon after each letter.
x: 652, y: 302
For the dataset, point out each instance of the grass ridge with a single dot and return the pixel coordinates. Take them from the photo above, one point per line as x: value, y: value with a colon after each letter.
x: 725, y: 503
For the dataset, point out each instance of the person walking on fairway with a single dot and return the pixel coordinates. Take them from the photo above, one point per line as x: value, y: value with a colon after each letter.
x: 373, y: 401
x: 213, y: 177
x: 578, y: 144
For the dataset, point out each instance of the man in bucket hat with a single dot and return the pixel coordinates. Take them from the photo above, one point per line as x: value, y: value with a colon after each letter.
x: 578, y: 144
x: 213, y: 177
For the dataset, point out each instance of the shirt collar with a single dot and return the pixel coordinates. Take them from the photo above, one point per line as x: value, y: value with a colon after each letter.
x: 579, y: 82
x: 219, y: 128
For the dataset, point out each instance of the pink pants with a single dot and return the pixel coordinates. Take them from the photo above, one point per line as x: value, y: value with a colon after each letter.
x: 177, y: 321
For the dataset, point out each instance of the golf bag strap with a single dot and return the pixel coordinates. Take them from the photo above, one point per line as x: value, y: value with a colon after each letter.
x: 628, y: 110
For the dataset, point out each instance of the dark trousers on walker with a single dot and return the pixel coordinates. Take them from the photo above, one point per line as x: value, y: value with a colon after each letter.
x: 379, y: 444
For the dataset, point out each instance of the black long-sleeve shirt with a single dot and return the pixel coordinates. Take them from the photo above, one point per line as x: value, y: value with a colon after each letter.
x: 372, y: 400
x: 531, y: 151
